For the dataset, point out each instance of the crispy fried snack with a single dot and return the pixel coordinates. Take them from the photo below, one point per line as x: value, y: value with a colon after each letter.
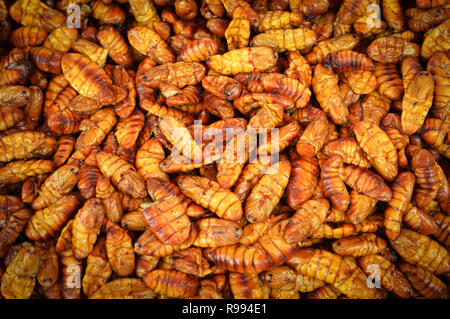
x: 222, y: 86
x: 434, y: 132
x: 150, y: 43
x: 19, y: 278
x: 389, y: 49
x: 108, y: 13
x: 148, y: 244
x: 28, y: 36
x: 179, y: 136
x: 379, y: 149
x: 286, y: 39
x: 190, y: 261
x: 246, y: 60
x: 267, y: 192
x: 299, y: 68
x: 389, y: 81
x: 123, y: 175
x: 391, y: 278
x: 348, y: 60
x: 320, y: 264
x: 438, y: 65
x: 46, y: 223
x: 8, y: 205
x: 436, y: 40
x: 306, y: 220
x: 88, y: 78
x: 70, y: 268
x: 124, y: 288
x: 349, y: 11
x: 421, y: 250
x: 309, y: 8
x: 168, y: 220
x: 58, y: 184
x: 119, y: 248
x: 26, y: 144
x: 284, y: 278
x: 357, y: 246
x: 323, y: 48
x: 348, y: 149
x: 36, y: 13
x: 86, y: 227
x: 362, y: 82
x: 248, y: 286
x: 313, y: 137
x: 402, y: 190
x: 241, y: 9
x: 18, y: 171
x: 303, y: 179
x: 127, y: 130
x: 393, y: 13
x: 179, y: 74
x: 429, y: 177
x: 15, y: 223
x: 145, y: 264
x: 419, y: 20
x: 118, y: 49
x: 98, y: 269
x: 237, y: 34
x: 172, y: 283
x: 355, y: 286
x: 95, y: 129
x: 148, y: 159
x: 442, y: 233
x: 277, y: 19
x: 334, y: 187
x: 325, y: 86
x: 210, y: 195
x: 424, y: 282
x: 48, y: 274
x: 416, y: 102
x: 94, y: 52
x: 420, y: 221
x: 88, y: 179
x: 325, y: 292
x: 61, y: 39
x: 216, y: 232
x: 366, y: 182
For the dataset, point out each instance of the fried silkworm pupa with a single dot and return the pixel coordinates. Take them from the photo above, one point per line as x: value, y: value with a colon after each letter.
x: 379, y: 149
x: 216, y: 232
x: 86, y: 227
x: 15, y: 223
x: 119, y: 248
x: 421, y: 250
x: 172, y: 283
x: 58, y: 184
x: 320, y: 264
x: 391, y: 278
x: 19, y: 279
x: 124, y: 288
x: 357, y: 246
x: 122, y: 175
x: 210, y: 195
x: 47, y: 222
x: 424, y: 282
x: 306, y: 220
x: 98, y: 269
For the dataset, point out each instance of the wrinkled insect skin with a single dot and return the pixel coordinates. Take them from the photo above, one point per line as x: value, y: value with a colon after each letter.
x: 172, y: 283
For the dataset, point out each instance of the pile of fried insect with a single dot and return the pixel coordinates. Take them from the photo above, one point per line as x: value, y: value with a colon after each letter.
x: 132, y: 163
